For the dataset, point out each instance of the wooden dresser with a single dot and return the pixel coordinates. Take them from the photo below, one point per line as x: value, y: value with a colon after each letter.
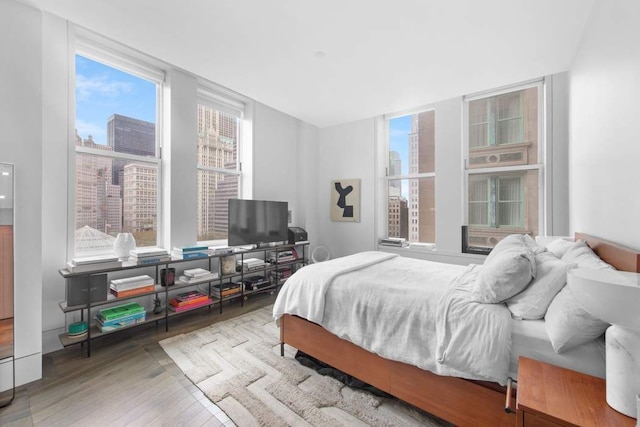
x: 552, y: 396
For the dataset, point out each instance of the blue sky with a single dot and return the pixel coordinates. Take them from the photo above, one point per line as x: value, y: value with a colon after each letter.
x: 399, y: 130
x: 102, y: 91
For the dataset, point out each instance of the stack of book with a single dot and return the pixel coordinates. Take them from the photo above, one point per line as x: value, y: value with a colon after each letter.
x: 226, y: 290
x: 220, y: 250
x: 281, y: 256
x: 188, y: 301
x: 112, y: 318
x: 149, y: 255
x: 188, y: 252
x: 256, y: 283
x: 197, y: 275
x: 252, y: 264
x: 91, y: 263
x: 281, y: 274
x: 130, y: 286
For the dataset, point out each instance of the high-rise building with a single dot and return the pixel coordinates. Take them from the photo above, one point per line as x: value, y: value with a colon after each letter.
x: 395, y: 168
x: 140, y: 210
x: 421, y: 203
x: 217, y: 147
x: 113, y: 215
x: 426, y: 187
x: 132, y: 136
x: 93, y: 187
x: 397, y: 216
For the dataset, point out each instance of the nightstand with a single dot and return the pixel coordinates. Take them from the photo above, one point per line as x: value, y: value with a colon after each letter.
x: 552, y: 396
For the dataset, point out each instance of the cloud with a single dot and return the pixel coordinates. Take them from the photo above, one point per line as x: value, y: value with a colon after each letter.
x: 98, y: 132
x: 86, y: 87
x: 399, y: 133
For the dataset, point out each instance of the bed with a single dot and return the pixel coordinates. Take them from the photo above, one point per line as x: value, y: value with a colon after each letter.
x: 458, y: 396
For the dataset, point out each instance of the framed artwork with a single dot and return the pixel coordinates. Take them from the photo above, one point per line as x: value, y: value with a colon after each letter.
x: 345, y: 200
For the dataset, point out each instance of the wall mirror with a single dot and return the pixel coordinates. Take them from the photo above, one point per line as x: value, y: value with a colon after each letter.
x: 7, y: 360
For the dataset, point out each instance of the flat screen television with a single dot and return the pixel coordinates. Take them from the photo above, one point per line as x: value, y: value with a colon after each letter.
x: 254, y: 222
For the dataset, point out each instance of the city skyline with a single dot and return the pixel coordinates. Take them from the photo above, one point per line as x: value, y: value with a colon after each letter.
x: 102, y: 91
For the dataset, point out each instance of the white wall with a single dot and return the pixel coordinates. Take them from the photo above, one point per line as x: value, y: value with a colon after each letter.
x: 179, y: 174
x: 55, y: 170
x: 349, y: 151
x: 604, y: 150
x: 558, y: 156
x: 274, y: 154
x: 346, y: 152
x: 449, y: 177
x: 21, y: 144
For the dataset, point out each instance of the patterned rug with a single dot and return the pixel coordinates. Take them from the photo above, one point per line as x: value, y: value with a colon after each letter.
x: 237, y: 365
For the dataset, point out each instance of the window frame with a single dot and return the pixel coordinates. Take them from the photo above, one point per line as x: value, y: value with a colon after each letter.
x: 95, y: 48
x: 214, y: 99
x: 540, y: 166
x: 400, y: 177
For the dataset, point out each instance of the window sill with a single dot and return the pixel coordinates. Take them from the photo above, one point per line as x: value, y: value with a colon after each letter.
x: 436, y: 255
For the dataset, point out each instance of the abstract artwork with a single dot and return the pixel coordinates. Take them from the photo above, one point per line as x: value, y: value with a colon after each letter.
x: 345, y: 200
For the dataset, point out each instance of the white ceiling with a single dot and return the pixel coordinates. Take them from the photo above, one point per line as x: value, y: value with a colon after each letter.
x: 379, y: 56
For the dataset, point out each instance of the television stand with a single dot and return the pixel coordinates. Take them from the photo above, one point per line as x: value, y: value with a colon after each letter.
x: 224, y: 285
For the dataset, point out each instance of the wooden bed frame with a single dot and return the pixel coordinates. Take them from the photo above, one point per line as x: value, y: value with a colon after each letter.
x: 456, y: 400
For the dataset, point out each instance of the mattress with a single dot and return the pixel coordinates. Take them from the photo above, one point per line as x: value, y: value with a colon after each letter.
x: 529, y: 339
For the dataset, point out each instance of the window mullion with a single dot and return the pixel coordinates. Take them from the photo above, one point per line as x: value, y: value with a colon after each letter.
x: 493, y: 200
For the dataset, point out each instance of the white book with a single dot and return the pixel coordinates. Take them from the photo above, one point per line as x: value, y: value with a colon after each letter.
x: 220, y: 250
x: 252, y: 261
x: 94, y: 259
x: 135, y: 280
x: 147, y: 251
x: 208, y: 277
x: 195, y: 272
x: 84, y: 268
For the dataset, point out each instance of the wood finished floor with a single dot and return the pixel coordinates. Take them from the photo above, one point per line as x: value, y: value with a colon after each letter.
x: 6, y: 338
x: 128, y: 380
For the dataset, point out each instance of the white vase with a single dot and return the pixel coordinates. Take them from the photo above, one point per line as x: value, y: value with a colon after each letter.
x: 124, y: 243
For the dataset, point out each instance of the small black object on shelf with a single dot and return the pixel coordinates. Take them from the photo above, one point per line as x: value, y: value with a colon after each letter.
x: 167, y: 276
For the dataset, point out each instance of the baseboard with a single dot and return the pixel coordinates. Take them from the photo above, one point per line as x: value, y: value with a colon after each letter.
x: 28, y: 369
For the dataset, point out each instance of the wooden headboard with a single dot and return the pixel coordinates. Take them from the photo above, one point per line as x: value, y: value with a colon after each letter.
x: 621, y: 257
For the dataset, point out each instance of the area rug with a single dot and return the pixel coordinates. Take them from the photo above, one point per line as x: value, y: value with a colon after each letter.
x: 237, y: 365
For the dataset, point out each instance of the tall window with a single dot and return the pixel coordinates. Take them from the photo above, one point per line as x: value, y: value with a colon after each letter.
x: 218, y: 166
x: 411, y: 177
x: 503, y: 165
x: 117, y: 156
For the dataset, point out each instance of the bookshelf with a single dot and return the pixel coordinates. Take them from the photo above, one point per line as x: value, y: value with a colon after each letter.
x: 275, y: 269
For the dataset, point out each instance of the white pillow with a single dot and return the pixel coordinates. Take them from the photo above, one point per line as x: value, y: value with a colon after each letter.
x: 581, y: 254
x: 520, y: 242
x: 551, y: 276
x: 559, y: 247
x: 532, y: 245
x: 568, y: 325
x: 504, y: 275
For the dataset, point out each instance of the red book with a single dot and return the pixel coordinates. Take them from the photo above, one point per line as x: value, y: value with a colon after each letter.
x: 177, y: 303
x: 132, y: 292
x: 191, y: 306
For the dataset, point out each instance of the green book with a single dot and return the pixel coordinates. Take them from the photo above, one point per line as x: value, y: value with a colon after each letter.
x: 121, y: 311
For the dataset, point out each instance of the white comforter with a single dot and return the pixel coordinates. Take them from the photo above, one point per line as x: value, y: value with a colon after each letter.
x: 413, y: 311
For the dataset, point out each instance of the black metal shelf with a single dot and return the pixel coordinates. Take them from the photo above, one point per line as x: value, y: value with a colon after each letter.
x: 217, y: 282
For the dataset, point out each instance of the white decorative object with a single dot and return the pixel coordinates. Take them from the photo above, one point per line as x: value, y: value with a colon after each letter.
x: 623, y: 369
x: 613, y: 296
x: 320, y: 254
x: 124, y: 243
